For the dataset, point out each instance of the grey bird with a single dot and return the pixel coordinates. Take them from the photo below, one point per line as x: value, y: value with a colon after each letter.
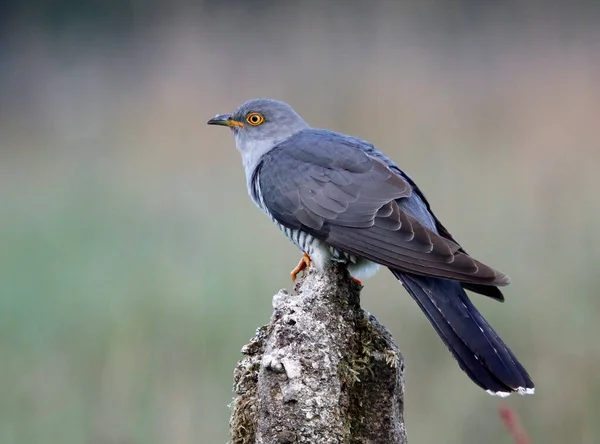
x: 340, y: 200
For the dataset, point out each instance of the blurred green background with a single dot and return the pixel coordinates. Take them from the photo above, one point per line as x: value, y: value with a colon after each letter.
x: 133, y: 266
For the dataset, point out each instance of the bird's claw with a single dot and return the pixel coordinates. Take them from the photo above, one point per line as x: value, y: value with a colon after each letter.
x: 356, y: 281
x: 302, y: 265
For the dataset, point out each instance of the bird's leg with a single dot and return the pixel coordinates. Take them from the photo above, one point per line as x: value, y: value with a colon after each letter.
x: 302, y: 265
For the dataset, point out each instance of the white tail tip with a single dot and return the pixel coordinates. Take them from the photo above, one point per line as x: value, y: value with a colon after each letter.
x: 519, y: 390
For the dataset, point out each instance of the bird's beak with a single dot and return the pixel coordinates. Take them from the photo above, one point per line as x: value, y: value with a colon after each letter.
x: 224, y: 120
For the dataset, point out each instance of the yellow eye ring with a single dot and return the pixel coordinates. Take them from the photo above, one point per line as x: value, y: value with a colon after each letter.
x: 255, y: 119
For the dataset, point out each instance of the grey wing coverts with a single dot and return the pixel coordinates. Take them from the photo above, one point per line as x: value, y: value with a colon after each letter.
x: 326, y: 184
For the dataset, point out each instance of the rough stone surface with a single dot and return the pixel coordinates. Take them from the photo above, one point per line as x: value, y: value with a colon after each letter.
x: 322, y: 371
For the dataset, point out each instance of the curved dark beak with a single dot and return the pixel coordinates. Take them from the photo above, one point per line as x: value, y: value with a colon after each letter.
x: 224, y: 120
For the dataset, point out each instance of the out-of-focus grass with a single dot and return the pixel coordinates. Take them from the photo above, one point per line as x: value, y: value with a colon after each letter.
x: 133, y: 266
x: 117, y: 319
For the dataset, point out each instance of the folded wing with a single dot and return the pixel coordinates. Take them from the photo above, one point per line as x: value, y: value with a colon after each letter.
x: 326, y: 185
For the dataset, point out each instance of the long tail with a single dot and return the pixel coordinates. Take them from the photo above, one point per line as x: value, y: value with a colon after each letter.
x: 480, y: 352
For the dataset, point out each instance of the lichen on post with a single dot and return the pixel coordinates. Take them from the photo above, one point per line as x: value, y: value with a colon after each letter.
x: 322, y: 371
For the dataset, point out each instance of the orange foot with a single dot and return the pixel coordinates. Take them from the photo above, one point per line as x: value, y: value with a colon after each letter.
x: 302, y: 265
x: 356, y: 281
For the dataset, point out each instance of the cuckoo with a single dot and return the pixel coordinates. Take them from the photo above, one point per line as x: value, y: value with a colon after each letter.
x: 341, y: 200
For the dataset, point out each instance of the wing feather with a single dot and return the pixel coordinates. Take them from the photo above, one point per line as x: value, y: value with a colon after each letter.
x: 326, y: 184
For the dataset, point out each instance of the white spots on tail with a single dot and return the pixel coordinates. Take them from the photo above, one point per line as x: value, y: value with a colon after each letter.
x: 519, y: 390
x: 525, y: 391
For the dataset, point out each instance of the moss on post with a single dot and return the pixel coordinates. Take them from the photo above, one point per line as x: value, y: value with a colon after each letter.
x: 322, y: 371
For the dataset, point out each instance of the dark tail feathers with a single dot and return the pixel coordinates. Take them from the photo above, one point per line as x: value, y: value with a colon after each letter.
x: 476, y: 346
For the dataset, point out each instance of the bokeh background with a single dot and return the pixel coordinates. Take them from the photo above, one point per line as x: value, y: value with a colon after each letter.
x: 133, y: 266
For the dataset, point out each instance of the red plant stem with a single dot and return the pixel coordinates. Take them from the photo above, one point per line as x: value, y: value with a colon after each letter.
x: 512, y: 424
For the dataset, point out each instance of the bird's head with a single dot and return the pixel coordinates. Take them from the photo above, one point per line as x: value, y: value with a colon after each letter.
x: 261, y: 124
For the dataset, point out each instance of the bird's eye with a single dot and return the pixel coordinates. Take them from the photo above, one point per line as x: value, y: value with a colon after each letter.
x: 255, y: 119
